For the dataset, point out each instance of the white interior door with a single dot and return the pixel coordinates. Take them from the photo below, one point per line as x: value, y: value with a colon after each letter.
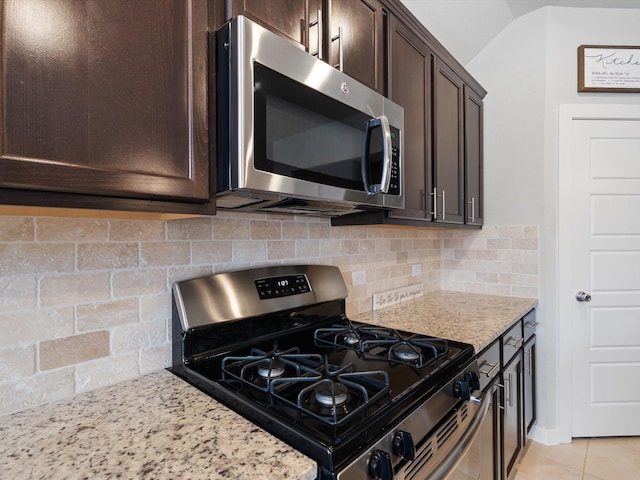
x: 604, y: 251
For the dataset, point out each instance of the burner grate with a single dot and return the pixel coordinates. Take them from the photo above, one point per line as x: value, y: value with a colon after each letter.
x: 416, y: 350
x: 338, y: 396
x: 259, y: 369
x: 349, y: 336
x: 328, y: 393
x: 379, y: 342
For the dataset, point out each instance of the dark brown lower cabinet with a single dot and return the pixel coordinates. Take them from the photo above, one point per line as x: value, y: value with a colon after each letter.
x: 511, y: 393
x: 490, y: 434
x: 512, y: 402
x: 530, y: 410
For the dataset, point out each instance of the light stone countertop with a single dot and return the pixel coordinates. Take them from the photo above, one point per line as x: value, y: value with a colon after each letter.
x: 466, y: 317
x: 160, y: 427
x: 154, y: 427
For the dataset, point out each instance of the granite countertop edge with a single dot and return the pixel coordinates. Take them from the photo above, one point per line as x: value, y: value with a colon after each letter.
x: 159, y: 426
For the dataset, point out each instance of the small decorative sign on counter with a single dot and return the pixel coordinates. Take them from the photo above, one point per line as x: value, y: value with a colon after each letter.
x: 608, y: 68
x: 399, y: 295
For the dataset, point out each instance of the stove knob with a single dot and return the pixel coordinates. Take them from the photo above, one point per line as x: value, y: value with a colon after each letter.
x: 380, y: 466
x: 403, y: 445
x: 461, y: 390
x: 473, y: 380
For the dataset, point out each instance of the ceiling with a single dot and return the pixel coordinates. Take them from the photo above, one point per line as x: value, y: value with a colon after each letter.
x: 522, y: 7
x: 465, y: 27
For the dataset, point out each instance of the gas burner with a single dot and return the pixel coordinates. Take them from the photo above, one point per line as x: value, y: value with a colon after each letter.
x: 405, y: 352
x: 271, y: 369
x: 331, y: 394
x: 351, y: 338
x: 329, y: 400
x: 415, y: 351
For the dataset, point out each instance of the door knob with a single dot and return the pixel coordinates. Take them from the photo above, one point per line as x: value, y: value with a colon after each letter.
x: 583, y: 297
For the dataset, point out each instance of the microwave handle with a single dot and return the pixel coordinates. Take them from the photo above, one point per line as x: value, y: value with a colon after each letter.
x: 383, y: 186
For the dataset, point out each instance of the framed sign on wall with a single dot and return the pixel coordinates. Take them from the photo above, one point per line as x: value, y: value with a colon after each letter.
x: 603, y: 68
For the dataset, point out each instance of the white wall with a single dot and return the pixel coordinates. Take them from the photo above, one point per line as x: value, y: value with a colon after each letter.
x: 464, y: 27
x: 529, y: 69
x: 512, y: 69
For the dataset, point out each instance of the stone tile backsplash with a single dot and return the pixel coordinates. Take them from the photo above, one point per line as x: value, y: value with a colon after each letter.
x: 497, y: 260
x: 86, y: 303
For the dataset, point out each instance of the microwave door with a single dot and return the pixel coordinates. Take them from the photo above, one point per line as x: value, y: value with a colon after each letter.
x: 304, y: 135
x: 376, y: 156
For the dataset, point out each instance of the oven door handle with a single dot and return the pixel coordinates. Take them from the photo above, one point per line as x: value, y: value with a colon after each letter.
x: 455, y: 456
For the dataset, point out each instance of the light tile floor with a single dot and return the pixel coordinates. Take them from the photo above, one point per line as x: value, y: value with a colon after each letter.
x: 615, y: 458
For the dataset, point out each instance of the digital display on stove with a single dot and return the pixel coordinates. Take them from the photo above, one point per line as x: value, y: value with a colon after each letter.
x: 284, y: 286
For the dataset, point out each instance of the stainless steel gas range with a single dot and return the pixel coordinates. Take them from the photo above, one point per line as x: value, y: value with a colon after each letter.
x: 275, y: 345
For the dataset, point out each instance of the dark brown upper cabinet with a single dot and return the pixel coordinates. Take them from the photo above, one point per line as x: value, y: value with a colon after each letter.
x: 348, y: 34
x: 104, y: 104
x: 411, y: 62
x: 356, y: 40
x: 473, y: 157
x: 293, y: 19
x: 447, y: 196
x: 442, y: 130
x: 432, y: 97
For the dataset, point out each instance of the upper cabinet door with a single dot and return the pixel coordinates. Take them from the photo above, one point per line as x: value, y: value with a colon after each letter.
x: 448, y: 144
x: 105, y: 98
x: 410, y: 63
x: 290, y: 18
x: 356, y: 40
x: 473, y: 157
x: 347, y: 34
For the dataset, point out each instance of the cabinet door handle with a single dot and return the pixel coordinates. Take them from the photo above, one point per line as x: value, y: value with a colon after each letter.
x: 340, y: 65
x: 501, y: 407
x: 435, y: 203
x: 512, y: 342
x: 508, y: 391
x: 530, y: 361
x: 532, y: 325
x: 473, y: 209
x: 444, y: 210
x: 494, y: 367
x: 318, y: 22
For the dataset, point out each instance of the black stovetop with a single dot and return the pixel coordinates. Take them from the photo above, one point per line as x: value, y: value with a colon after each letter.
x: 219, y: 359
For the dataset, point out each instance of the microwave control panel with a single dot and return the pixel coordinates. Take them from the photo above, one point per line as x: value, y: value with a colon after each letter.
x: 394, y: 184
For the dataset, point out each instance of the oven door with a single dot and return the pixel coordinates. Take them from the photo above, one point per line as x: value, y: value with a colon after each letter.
x: 472, y: 456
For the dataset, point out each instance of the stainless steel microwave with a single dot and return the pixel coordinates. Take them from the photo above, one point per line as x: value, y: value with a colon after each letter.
x: 296, y: 135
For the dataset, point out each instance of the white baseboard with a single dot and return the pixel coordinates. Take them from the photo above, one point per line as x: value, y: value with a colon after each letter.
x: 547, y: 436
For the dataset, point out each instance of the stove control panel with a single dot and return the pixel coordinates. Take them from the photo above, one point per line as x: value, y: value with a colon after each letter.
x: 282, y: 286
